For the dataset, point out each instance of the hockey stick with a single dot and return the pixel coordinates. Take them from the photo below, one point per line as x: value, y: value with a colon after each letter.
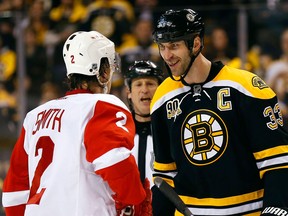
x: 168, y: 191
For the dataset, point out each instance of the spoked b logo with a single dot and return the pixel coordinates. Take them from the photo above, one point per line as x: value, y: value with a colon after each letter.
x: 204, y: 137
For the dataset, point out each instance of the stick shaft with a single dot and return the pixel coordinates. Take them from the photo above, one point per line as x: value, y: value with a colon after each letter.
x: 169, y: 192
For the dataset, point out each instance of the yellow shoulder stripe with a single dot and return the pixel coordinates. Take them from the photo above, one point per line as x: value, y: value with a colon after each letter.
x: 166, y: 87
x: 249, y: 81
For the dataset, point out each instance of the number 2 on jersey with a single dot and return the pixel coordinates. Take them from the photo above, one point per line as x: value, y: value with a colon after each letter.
x: 46, y: 144
x: 123, y: 120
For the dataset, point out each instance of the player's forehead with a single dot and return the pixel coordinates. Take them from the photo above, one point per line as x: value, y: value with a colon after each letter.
x: 171, y: 43
x: 144, y: 79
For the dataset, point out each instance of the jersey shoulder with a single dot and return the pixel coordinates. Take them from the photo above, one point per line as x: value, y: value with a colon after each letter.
x: 112, y: 99
x: 165, y: 91
x: 243, y: 81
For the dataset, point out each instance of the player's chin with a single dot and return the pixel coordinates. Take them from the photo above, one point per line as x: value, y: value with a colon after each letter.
x: 145, y: 110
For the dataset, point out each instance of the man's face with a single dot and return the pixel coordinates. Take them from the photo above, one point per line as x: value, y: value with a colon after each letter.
x: 141, y: 93
x: 176, y: 55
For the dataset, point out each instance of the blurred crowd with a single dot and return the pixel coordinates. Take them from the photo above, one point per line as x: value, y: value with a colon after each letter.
x: 129, y: 24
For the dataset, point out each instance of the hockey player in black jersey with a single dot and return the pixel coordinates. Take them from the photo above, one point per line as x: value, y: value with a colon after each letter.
x: 217, y: 131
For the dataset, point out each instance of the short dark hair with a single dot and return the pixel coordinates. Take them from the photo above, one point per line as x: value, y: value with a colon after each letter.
x: 75, y: 80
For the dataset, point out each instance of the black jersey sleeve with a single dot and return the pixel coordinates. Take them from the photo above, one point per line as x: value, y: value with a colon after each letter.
x: 164, y: 165
x: 276, y: 189
x: 264, y: 132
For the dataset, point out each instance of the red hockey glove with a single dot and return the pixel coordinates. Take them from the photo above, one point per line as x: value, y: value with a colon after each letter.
x: 145, y: 208
x: 127, y: 211
x: 123, y: 209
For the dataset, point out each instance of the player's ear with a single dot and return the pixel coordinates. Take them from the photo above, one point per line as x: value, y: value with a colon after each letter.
x: 197, y: 42
x: 128, y: 93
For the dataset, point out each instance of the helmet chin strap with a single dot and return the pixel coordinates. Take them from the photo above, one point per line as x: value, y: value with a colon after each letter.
x: 105, y: 89
x: 104, y: 85
x: 193, y: 57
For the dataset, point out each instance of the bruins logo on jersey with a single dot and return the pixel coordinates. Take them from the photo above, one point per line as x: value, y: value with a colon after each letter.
x: 258, y: 82
x: 204, y: 137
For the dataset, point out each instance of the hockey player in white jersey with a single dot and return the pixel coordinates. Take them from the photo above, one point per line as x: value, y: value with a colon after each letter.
x: 73, y: 156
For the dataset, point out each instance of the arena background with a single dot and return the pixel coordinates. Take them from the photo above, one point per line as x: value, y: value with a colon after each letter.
x: 253, y: 28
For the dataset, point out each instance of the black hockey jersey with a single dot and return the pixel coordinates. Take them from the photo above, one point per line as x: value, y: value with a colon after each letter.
x: 221, y: 143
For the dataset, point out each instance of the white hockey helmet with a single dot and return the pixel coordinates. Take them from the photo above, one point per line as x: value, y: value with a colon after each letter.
x: 83, y: 51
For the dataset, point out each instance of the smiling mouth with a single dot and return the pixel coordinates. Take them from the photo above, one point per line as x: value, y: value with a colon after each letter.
x: 172, y: 64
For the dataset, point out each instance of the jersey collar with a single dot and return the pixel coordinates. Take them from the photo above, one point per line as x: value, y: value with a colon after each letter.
x: 77, y: 91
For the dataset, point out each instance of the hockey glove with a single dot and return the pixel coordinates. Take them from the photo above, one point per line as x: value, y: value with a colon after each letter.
x: 145, y: 208
x: 127, y: 211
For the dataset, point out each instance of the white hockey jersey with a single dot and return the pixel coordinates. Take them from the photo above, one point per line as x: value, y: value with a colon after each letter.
x: 73, y: 157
